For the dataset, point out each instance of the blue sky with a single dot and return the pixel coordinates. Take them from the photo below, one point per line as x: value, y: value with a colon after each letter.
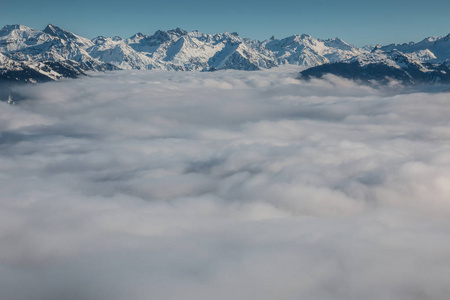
x: 356, y: 22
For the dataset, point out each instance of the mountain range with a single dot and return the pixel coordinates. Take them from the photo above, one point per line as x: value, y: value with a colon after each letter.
x: 30, y: 55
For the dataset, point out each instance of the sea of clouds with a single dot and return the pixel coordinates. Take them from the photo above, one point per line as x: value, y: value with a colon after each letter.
x: 224, y: 185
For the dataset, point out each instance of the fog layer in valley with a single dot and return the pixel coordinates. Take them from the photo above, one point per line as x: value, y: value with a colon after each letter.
x: 225, y: 185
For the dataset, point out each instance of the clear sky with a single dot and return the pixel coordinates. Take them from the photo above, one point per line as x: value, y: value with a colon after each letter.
x: 357, y: 22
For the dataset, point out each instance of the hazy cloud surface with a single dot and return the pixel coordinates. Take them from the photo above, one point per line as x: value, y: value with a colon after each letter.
x: 224, y: 185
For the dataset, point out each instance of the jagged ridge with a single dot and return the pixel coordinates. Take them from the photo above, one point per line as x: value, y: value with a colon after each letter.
x: 57, y: 53
x: 383, y: 66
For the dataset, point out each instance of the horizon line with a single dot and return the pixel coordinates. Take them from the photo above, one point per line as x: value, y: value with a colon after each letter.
x: 226, y: 31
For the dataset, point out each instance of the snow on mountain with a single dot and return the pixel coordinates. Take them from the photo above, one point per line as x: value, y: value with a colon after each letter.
x: 54, y: 44
x: 422, y: 55
x: 19, y: 37
x: 383, y: 66
x: 186, y: 52
x: 181, y: 50
x: 117, y: 52
x: 16, y: 71
x: 7, y: 64
x: 238, y: 53
x: 240, y: 57
x: 395, y: 59
x: 56, y: 51
x: 368, y: 48
x: 432, y: 49
x: 67, y: 36
x: 308, y: 51
x: 156, y: 45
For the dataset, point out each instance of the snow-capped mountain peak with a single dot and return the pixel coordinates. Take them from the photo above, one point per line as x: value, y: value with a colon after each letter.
x: 67, y: 36
x: 17, y: 37
x: 178, y: 49
x: 177, y: 32
x: 438, y: 46
x: 10, y: 28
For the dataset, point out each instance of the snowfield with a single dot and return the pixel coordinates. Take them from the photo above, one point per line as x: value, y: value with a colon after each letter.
x: 224, y: 185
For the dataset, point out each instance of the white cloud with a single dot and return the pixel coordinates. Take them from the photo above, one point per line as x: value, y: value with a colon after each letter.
x: 224, y: 185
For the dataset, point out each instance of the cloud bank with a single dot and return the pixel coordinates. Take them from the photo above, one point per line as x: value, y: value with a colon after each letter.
x: 224, y: 185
